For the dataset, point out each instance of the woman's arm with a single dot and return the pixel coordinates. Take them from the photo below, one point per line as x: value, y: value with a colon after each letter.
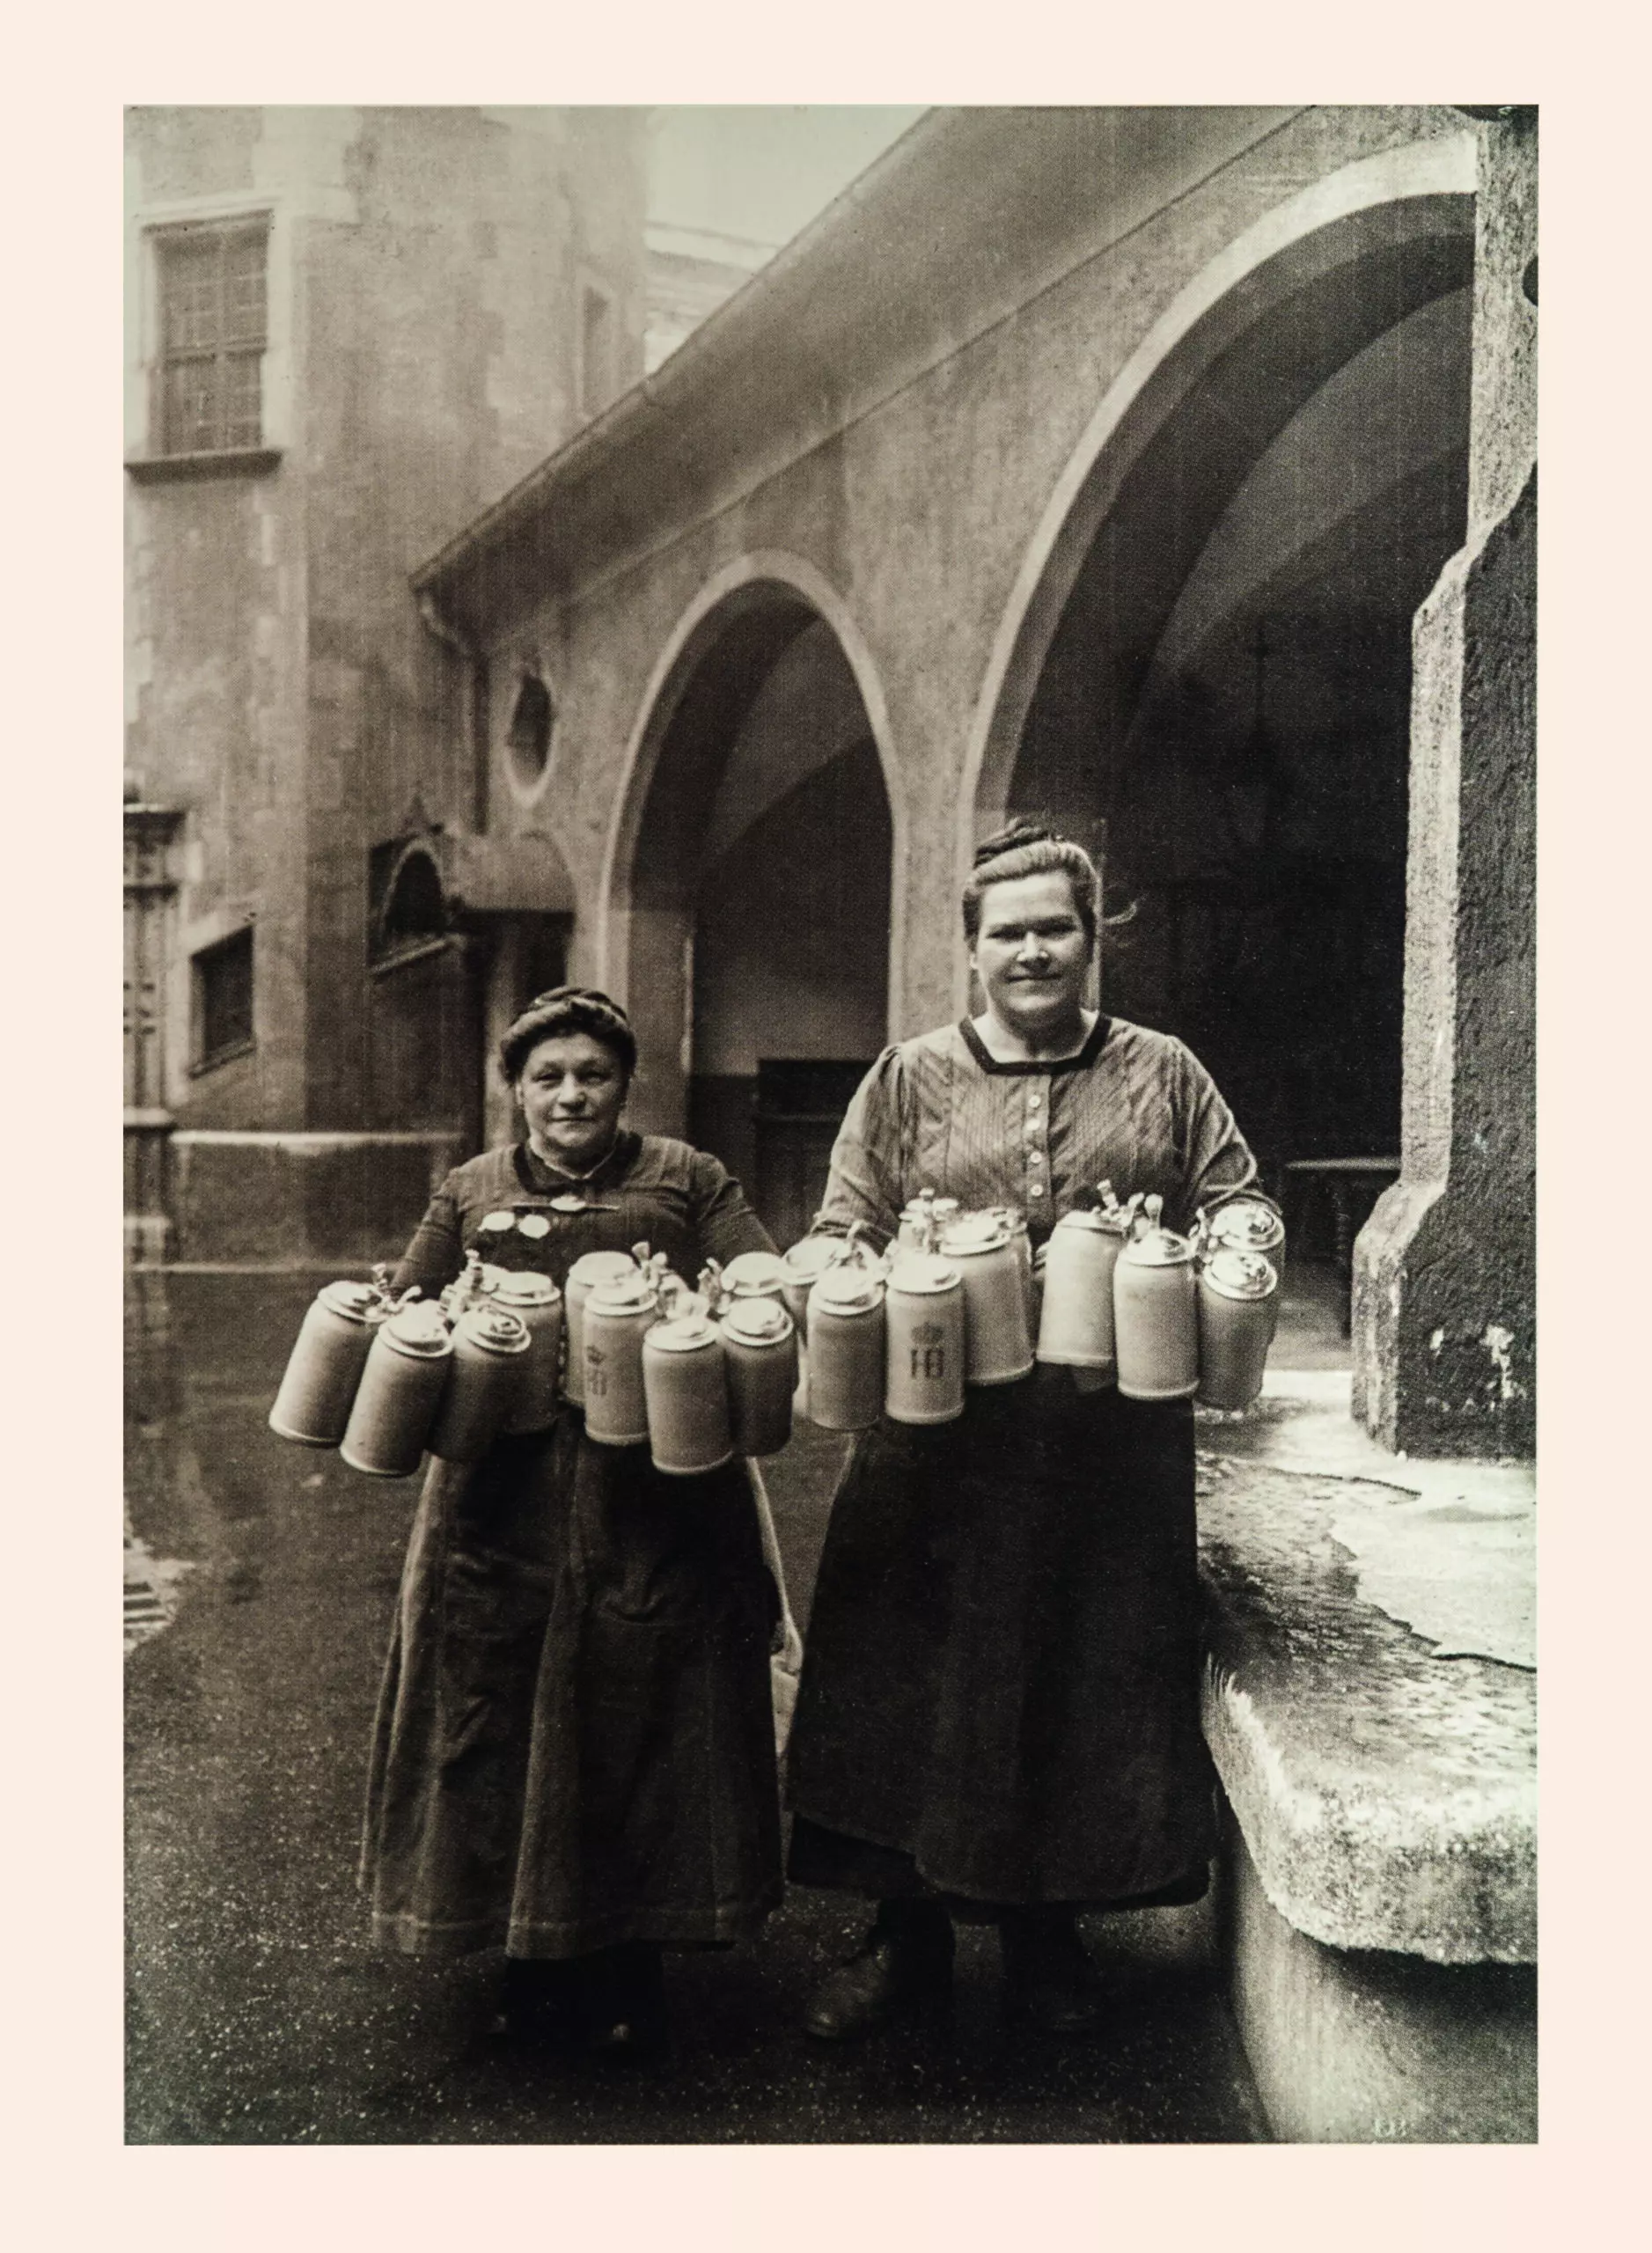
x: 864, y: 1184
x: 436, y: 1255
x: 1216, y: 1157
x: 724, y: 1223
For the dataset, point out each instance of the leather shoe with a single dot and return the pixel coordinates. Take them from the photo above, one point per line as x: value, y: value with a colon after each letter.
x: 625, y: 2004
x: 890, y: 1976
x: 539, y: 2005
x: 1053, y: 1985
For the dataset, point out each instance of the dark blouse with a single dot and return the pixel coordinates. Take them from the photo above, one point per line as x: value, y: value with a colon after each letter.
x: 649, y: 1188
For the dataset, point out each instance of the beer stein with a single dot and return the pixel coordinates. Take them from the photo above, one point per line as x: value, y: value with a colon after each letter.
x: 925, y: 1349
x: 1076, y: 1321
x: 535, y: 1300
x: 1155, y: 1314
x: 1008, y: 1217
x: 760, y: 1343
x: 1248, y: 1221
x: 590, y: 1269
x: 805, y: 1264
x: 918, y: 1229
x: 1000, y: 1348
x: 755, y: 1275
x: 325, y: 1367
x: 400, y: 1389
x: 844, y: 1338
x: 1237, y: 1290
x: 618, y: 1316
x: 686, y: 1393
x: 489, y: 1346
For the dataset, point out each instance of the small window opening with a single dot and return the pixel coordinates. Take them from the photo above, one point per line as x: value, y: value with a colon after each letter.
x: 223, y: 1000
x: 596, y: 349
x: 528, y: 737
x: 415, y: 909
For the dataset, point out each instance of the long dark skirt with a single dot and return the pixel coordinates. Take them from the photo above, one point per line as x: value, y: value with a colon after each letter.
x: 574, y: 1740
x: 1000, y: 1692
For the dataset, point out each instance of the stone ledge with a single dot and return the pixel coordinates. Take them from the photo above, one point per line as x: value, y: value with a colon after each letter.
x: 227, y: 461
x: 1359, y: 2046
x: 1386, y: 1792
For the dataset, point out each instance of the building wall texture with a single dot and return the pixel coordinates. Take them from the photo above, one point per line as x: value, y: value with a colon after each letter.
x: 428, y: 270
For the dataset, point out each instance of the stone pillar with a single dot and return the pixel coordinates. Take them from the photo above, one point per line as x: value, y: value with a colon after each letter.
x: 149, y: 891
x: 1444, y: 1286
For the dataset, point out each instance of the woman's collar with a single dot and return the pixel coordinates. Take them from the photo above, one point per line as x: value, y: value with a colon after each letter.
x: 1094, y: 1042
x: 541, y: 1174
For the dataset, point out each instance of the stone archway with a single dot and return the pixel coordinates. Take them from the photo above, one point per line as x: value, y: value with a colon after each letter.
x: 1209, y: 668
x: 748, y: 905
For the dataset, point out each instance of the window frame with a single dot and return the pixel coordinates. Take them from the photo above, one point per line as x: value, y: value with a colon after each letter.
x: 224, y: 350
x: 202, y: 1058
x: 149, y: 227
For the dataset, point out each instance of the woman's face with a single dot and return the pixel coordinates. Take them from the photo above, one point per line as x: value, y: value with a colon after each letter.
x: 1032, y: 952
x: 572, y: 1090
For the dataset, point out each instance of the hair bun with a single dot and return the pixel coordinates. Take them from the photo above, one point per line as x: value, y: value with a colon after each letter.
x: 1012, y: 839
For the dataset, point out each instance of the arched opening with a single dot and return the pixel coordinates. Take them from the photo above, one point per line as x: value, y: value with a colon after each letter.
x: 760, y: 897
x: 415, y: 909
x: 1220, y: 695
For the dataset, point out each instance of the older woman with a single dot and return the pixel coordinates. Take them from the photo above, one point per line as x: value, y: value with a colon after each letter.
x: 999, y: 1709
x: 574, y: 1752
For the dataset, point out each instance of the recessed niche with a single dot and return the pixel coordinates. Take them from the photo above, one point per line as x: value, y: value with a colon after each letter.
x: 528, y: 737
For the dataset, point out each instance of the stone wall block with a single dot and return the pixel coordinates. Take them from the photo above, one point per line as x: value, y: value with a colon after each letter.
x: 1445, y: 1282
x: 1365, y: 2045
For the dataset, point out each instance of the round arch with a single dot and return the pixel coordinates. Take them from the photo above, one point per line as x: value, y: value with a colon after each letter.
x: 744, y: 588
x: 1385, y: 211
x: 705, y: 685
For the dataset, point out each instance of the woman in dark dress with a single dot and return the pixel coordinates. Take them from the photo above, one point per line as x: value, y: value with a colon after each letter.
x: 999, y: 1708
x: 574, y: 1753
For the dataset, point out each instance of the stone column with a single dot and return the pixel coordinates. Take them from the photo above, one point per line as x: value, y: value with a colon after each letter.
x: 149, y: 891
x: 1444, y: 1286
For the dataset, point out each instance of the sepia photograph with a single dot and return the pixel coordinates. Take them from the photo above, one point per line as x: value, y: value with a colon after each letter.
x: 830, y: 834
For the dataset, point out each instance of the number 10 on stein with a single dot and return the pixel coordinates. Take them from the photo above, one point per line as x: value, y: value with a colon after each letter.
x: 925, y: 1341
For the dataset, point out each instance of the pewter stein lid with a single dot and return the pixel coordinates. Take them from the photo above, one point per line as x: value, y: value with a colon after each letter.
x: 923, y: 1272
x: 758, y: 1322
x: 1238, y: 1274
x: 848, y: 1290
x: 1158, y: 1248
x: 420, y: 1329
x: 684, y: 1334
x: 974, y: 1232
x: 527, y: 1289
x: 636, y: 1292
x: 494, y: 1328
x: 592, y: 1269
x: 1248, y: 1224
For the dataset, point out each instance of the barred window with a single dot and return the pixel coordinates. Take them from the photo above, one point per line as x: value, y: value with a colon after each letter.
x: 213, y: 331
x: 223, y: 1000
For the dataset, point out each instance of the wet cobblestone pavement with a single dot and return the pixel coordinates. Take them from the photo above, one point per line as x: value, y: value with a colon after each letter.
x: 257, y: 2014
